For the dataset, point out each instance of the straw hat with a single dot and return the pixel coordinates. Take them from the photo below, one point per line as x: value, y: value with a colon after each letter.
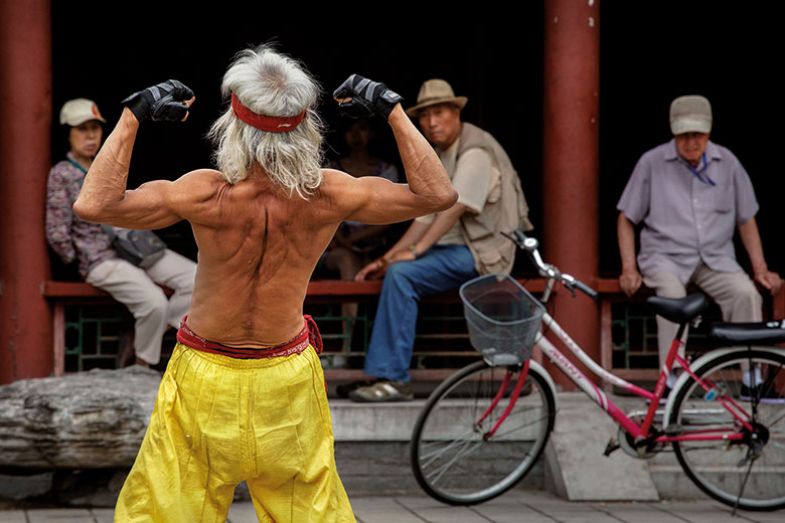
x: 436, y: 91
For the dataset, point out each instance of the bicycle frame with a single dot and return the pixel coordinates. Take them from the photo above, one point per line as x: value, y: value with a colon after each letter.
x: 643, y: 430
x: 639, y: 431
x: 715, y: 440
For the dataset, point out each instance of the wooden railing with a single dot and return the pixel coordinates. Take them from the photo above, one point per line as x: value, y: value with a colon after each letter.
x: 63, y: 294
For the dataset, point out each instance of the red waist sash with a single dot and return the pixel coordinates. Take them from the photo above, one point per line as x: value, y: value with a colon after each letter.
x: 308, y: 336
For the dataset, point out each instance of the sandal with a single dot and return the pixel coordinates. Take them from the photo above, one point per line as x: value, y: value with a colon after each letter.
x: 343, y: 390
x: 381, y: 391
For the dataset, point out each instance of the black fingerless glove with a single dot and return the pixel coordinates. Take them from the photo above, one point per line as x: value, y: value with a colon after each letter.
x: 367, y: 98
x: 161, y: 102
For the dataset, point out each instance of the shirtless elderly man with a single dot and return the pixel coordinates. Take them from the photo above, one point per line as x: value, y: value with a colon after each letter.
x: 243, y: 397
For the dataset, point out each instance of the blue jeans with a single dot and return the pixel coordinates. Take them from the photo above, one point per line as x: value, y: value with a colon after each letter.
x: 440, y: 269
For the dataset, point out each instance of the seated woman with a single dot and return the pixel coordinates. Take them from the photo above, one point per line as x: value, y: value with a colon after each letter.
x: 356, y: 244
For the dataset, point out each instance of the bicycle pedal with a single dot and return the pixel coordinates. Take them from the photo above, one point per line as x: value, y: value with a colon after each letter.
x: 612, y: 446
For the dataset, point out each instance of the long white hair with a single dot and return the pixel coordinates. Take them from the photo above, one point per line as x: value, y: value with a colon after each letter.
x: 271, y: 84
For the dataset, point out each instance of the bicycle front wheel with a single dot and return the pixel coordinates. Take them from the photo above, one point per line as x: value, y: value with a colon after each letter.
x: 744, y: 465
x: 454, y: 456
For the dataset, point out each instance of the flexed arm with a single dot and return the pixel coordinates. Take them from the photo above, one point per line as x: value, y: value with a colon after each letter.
x: 377, y: 200
x: 103, y: 197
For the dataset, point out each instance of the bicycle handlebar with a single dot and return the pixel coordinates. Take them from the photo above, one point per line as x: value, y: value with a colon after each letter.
x: 530, y: 246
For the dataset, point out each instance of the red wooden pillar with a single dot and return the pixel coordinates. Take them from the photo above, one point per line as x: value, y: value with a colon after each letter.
x: 570, y: 140
x: 25, y: 123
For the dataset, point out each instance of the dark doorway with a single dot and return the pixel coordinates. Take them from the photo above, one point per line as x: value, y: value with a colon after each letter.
x: 650, y: 53
x: 497, y: 66
x: 726, y: 51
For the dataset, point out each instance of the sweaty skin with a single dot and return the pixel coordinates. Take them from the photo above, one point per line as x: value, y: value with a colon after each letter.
x: 258, y: 245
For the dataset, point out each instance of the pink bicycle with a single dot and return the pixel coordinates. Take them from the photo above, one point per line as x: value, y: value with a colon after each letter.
x: 484, y: 428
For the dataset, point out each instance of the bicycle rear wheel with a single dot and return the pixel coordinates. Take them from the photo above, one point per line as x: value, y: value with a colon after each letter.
x: 452, y: 457
x: 749, y: 473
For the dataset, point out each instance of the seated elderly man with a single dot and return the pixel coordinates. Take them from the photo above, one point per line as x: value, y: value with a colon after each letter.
x: 690, y: 195
x: 441, y: 251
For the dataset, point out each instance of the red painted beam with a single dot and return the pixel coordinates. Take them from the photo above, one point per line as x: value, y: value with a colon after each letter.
x: 25, y: 126
x: 570, y: 160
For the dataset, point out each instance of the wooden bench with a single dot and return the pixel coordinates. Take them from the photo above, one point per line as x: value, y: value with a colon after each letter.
x: 63, y: 294
x: 60, y: 295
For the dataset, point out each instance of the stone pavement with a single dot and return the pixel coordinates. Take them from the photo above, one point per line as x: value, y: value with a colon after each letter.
x: 525, y: 506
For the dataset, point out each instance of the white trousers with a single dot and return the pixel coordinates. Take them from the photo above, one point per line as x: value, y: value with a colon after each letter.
x: 136, y: 289
x: 734, y: 292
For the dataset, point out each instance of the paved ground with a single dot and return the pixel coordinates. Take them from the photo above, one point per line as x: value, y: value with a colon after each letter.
x: 522, y: 506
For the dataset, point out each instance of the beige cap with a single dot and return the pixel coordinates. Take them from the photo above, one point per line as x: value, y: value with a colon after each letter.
x: 78, y: 111
x: 436, y: 91
x: 690, y: 114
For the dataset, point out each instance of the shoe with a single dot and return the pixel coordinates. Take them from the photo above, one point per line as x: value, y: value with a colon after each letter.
x: 343, y: 390
x: 767, y: 396
x: 334, y: 362
x: 382, y: 391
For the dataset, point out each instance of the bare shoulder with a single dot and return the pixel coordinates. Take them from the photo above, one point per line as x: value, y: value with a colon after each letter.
x: 195, y: 186
x: 337, y: 190
x: 334, y: 181
x: 346, y: 191
x: 369, y: 199
x: 200, y: 180
x: 193, y: 195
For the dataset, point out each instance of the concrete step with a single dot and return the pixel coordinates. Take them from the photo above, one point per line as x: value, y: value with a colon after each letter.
x: 372, y: 451
x: 372, y: 448
x: 374, y: 421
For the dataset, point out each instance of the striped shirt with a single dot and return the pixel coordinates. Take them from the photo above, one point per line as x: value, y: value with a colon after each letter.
x: 687, y: 220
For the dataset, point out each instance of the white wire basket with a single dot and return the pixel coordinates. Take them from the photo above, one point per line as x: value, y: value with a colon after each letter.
x: 503, y: 318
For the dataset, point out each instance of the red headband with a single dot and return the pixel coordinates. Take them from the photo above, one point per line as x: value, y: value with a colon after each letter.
x: 273, y: 124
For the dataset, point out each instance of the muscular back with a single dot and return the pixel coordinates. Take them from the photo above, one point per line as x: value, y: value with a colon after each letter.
x: 257, y: 244
x: 257, y: 250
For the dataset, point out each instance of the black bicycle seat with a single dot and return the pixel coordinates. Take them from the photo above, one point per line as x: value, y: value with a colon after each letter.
x: 744, y: 333
x: 678, y: 310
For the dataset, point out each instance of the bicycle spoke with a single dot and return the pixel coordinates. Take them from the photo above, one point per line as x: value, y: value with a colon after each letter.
x: 498, y: 435
x: 776, y: 420
x: 443, y: 450
x: 462, y: 453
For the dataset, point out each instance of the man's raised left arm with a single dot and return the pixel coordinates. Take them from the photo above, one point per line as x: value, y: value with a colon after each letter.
x: 103, y: 198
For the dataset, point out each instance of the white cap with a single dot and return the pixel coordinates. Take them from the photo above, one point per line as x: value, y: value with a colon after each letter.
x: 78, y: 111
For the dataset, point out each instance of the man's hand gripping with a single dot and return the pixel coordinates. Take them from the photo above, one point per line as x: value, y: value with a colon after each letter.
x: 359, y: 97
x: 165, y: 102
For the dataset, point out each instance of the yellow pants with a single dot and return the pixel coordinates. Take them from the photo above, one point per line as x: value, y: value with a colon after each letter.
x: 218, y: 421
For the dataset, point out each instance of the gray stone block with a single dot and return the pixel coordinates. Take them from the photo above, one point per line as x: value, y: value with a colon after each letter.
x: 17, y: 487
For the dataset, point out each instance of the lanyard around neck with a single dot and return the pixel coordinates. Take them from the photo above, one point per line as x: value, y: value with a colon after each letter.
x: 77, y: 165
x: 700, y: 172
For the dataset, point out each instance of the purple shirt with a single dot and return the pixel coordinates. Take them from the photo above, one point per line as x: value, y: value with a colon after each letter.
x: 687, y: 221
x: 69, y: 235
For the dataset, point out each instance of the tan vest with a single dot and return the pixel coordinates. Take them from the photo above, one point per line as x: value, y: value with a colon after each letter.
x: 504, y: 210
